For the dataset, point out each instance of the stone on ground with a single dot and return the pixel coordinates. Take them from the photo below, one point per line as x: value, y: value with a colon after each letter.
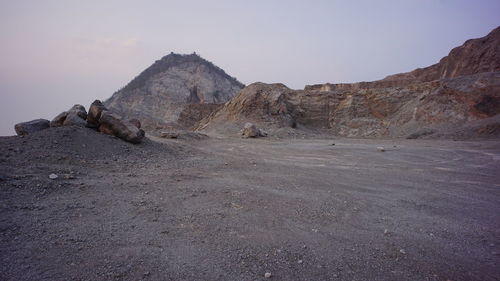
x: 26, y: 128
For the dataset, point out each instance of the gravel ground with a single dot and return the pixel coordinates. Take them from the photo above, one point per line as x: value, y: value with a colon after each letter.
x: 236, y: 209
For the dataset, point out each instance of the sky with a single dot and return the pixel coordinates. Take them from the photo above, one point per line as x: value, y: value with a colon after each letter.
x: 54, y: 54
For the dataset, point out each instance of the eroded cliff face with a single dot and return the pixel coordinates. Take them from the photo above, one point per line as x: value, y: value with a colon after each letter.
x: 474, y: 56
x: 465, y: 106
x: 160, y: 93
x: 457, y: 98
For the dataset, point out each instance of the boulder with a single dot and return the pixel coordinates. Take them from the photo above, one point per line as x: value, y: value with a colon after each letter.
x: 26, y: 128
x: 112, y: 124
x: 58, y: 121
x: 79, y: 110
x: 136, y: 122
x: 95, y: 110
x: 251, y: 131
x: 75, y: 116
x: 73, y: 119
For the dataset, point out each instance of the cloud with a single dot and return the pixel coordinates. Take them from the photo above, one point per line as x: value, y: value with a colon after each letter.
x: 130, y: 42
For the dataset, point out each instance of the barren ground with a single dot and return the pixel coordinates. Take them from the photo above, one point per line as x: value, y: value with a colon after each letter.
x: 234, y: 209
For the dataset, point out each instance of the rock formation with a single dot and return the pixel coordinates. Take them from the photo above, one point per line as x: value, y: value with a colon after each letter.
x: 161, y: 92
x: 98, y: 118
x: 458, y: 97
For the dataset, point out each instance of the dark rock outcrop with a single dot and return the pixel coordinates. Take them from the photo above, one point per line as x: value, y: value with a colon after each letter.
x: 161, y: 92
x: 30, y: 127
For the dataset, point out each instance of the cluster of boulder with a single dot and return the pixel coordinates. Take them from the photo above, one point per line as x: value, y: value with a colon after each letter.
x: 98, y: 118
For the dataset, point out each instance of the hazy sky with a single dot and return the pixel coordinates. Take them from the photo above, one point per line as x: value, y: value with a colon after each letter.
x: 54, y: 54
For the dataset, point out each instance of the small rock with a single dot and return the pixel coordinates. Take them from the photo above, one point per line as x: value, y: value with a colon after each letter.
x: 267, y: 275
x: 169, y: 135
x: 402, y: 251
x: 381, y: 148
x: 386, y: 231
x: 300, y: 261
x: 332, y: 144
x: 53, y: 176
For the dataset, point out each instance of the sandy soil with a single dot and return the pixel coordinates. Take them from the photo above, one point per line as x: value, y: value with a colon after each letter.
x: 234, y: 209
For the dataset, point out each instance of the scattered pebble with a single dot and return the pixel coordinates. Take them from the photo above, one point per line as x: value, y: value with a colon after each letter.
x: 386, y: 231
x: 267, y: 275
x: 381, y: 148
x: 53, y: 176
x: 402, y: 251
x: 299, y: 261
x: 333, y: 144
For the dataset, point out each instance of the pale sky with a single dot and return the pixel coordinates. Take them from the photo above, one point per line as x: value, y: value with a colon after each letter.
x: 54, y: 54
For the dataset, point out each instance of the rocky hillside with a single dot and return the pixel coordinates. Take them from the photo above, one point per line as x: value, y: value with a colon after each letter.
x: 474, y: 56
x: 160, y: 93
x: 453, y: 105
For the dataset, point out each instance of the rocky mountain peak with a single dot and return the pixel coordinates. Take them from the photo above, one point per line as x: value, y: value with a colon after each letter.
x: 175, y: 60
x: 158, y: 94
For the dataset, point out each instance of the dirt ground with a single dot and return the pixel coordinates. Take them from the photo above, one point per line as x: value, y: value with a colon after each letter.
x: 235, y: 209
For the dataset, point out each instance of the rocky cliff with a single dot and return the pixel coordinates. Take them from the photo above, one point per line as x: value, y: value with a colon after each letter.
x: 457, y: 98
x: 161, y: 92
x: 474, y: 56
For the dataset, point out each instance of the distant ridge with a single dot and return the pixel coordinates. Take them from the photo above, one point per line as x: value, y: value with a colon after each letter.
x: 474, y: 56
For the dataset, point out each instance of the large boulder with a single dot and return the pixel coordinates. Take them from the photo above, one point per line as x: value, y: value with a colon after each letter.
x: 112, y: 124
x: 58, y: 121
x: 73, y: 119
x: 79, y: 110
x: 95, y: 110
x: 75, y: 116
x: 26, y: 128
x: 251, y: 131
